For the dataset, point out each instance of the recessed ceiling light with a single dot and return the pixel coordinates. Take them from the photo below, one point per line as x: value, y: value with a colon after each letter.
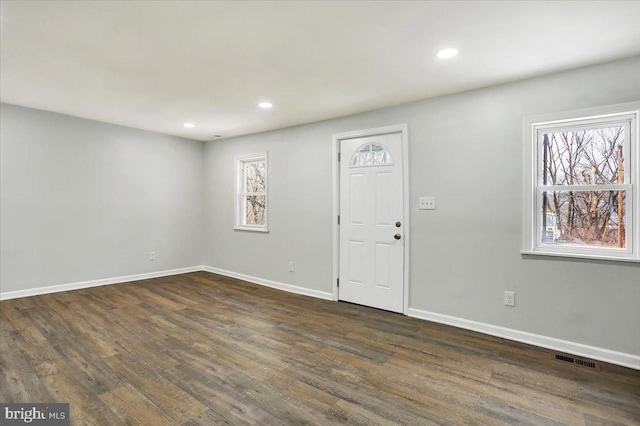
x: 447, y: 53
x: 265, y: 105
x: 189, y: 125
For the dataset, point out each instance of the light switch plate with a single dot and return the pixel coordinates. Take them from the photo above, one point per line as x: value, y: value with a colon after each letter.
x: 427, y: 203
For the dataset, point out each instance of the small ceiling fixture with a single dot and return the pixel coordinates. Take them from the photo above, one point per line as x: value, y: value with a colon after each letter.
x: 447, y: 53
x: 265, y: 105
x: 189, y: 125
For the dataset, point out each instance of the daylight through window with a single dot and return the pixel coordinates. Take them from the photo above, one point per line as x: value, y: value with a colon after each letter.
x: 583, y: 185
x: 251, y: 203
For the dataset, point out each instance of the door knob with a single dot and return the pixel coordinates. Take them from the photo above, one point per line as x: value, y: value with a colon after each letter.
x: 397, y: 236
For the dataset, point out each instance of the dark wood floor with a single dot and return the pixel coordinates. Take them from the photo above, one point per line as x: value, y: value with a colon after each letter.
x: 200, y: 349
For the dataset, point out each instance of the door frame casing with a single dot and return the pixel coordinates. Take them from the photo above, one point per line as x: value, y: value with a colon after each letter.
x: 403, y: 129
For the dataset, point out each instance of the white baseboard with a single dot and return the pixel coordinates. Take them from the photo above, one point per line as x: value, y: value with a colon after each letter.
x: 273, y: 284
x: 95, y: 283
x: 592, y: 352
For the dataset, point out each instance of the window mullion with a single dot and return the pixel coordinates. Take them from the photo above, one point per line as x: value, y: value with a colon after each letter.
x: 599, y: 187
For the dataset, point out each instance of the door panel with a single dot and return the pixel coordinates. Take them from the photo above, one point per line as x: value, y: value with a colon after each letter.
x: 356, y: 266
x: 384, y: 207
x: 383, y: 252
x: 357, y: 199
x: 371, y: 202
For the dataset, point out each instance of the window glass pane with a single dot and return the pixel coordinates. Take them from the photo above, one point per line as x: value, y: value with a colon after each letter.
x: 583, y: 218
x: 371, y: 155
x: 255, y: 210
x: 362, y: 157
x: 254, y: 176
x: 583, y: 157
x: 380, y: 155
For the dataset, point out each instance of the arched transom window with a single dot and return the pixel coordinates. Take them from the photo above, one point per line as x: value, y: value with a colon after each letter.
x: 371, y: 154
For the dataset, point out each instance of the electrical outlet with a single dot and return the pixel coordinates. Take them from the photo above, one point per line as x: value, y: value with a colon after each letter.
x: 427, y: 203
x: 509, y: 298
x: 290, y: 266
x: 152, y: 255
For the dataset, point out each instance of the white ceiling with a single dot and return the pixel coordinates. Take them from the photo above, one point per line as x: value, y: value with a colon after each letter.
x: 157, y: 64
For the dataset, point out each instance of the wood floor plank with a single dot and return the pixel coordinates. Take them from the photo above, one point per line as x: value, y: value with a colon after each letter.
x: 287, y: 410
x: 179, y: 405
x: 374, y: 403
x: 90, y: 369
x: 558, y: 407
x: 85, y: 407
x: 225, y: 398
x: 41, y: 355
x: 622, y: 396
x: 201, y: 349
x: 53, y: 328
x: 511, y: 415
x: 12, y: 316
x: 19, y: 381
x: 437, y: 383
x: 364, y: 350
x: 134, y: 409
x: 75, y: 327
x: 591, y: 420
x: 353, y: 414
x: 422, y: 352
x: 564, y: 385
x: 211, y: 417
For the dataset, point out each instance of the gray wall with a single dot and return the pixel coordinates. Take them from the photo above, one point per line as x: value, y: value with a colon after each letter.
x: 83, y: 200
x: 466, y: 150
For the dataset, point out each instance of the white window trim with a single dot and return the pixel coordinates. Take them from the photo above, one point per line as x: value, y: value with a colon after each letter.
x: 239, y: 210
x: 530, y: 231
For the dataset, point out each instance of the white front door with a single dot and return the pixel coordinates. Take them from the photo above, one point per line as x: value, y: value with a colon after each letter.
x: 371, y: 228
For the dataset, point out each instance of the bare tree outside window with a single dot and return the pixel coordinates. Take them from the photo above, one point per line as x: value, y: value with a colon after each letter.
x: 251, y: 184
x: 255, y: 174
x: 585, y: 157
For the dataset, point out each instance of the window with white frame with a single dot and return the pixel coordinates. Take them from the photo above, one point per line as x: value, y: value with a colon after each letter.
x: 251, y: 193
x: 582, y: 184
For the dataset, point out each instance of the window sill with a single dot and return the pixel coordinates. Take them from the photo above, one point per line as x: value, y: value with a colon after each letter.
x: 580, y: 256
x: 251, y: 229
